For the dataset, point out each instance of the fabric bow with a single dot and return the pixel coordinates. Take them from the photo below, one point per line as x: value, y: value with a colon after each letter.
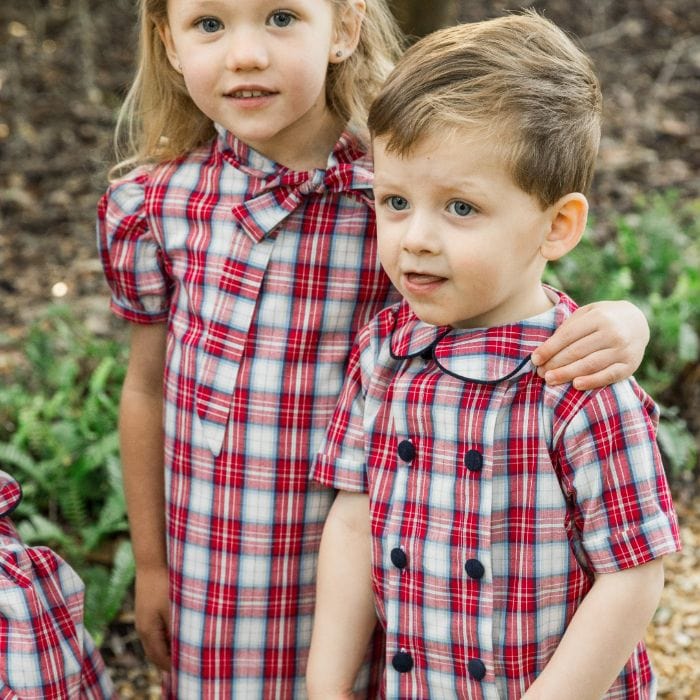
x: 280, y: 195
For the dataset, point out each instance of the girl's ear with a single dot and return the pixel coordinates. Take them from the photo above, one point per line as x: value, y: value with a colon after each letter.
x: 568, y: 222
x: 167, y: 38
x: 348, y: 26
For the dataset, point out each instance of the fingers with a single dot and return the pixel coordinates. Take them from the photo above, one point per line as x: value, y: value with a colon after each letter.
x: 579, y: 326
x: 595, y: 370
x: 610, y: 375
x: 156, y: 644
x: 588, y: 354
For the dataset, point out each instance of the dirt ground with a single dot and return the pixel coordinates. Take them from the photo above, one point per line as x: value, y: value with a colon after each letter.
x: 64, y: 66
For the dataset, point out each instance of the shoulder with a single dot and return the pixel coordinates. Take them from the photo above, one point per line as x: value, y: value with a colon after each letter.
x: 620, y: 411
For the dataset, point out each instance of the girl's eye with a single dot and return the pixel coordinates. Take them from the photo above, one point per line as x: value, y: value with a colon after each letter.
x: 460, y: 208
x: 281, y: 18
x: 209, y: 25
x: 396, y: 202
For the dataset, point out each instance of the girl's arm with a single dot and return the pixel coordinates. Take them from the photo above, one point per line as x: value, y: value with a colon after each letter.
x: 345, y: 617
x: 141, y: 437
x: 597, y: 345
x: 602, y: 635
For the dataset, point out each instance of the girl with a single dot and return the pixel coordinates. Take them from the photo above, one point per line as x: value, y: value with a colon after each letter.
x: 242, y: 249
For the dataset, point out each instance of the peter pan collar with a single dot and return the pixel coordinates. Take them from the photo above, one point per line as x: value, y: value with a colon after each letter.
x: 484, y: 355
x: 347, y: 150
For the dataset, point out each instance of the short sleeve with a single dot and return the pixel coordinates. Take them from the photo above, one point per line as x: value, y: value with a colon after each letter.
x: 131, y: 256
x: 612, y: 470
x: 341, y: 461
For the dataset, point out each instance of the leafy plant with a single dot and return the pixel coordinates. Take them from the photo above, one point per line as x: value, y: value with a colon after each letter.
x: 58, y: 437
x: 653, y: 260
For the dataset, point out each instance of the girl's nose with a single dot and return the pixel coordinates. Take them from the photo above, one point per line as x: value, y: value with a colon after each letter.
x: 246, y: 51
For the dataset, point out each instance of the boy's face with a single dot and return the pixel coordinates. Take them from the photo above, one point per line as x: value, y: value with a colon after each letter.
x: 458, y: 238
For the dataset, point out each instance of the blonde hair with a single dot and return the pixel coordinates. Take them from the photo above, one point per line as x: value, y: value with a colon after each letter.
x: 159, y: 122
x: 518, y: 78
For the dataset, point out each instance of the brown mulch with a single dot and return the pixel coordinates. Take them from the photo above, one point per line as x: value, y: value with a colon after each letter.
x: 673, y: 638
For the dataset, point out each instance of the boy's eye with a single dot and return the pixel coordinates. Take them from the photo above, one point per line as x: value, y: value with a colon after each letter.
x: 281, y: 18
x: 460, y: 208
x: 209, y: 25
x: 396, y: 202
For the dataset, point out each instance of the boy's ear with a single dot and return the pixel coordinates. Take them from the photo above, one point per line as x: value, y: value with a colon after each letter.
x: 568, y: 222
x: 167, y: 38
x: 348, y: 26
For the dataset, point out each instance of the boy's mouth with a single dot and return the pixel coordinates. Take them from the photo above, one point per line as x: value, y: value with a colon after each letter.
x: 420, y: 278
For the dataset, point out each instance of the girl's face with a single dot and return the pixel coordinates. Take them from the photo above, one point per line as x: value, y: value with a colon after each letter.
x: 258, y: 69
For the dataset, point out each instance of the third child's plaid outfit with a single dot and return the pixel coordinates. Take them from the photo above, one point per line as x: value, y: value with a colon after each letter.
x: 45, y: 651
x: 494, y: 500
x: 264, y: 276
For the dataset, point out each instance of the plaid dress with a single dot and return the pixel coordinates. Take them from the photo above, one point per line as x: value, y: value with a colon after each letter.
x: 264, y: 275
x: 494, y: 500
x: 45, y: 651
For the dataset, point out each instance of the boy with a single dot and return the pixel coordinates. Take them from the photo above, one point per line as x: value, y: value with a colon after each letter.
x: 509, y: 534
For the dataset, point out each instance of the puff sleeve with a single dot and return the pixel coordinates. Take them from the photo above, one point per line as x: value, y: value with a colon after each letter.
x: 131, y: 255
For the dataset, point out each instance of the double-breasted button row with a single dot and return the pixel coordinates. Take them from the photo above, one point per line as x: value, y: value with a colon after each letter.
x: 473, y: 567
x: 473, y: 460
x: 402, y: 662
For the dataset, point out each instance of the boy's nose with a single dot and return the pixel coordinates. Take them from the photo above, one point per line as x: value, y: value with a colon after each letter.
x: 419, y: 236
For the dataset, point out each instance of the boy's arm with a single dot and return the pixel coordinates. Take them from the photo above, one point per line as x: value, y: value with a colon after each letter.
x: 141, y: 437
x: 602, y: 635
x: 597, y: 345
x: 345, y: 618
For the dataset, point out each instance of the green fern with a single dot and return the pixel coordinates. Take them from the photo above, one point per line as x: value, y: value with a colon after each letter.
x: 58, y: 436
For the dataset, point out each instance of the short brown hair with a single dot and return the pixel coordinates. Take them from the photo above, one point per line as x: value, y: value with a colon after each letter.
x: 518, y: 78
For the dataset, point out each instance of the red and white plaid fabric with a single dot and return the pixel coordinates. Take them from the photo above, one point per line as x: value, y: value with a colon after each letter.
x: 45, y: 651
x: 494, y: 500
x: 264, y: 276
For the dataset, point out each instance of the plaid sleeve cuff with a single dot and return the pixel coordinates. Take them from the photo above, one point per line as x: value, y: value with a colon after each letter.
x: 128, y: 313
x: 632, y: 547
x: 339, y: 474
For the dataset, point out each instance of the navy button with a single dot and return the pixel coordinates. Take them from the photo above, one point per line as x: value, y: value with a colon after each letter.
x: 399, y: 558
x: 473, y: 460
x: 402, y: 662
x: 427, y: 354
x: 476, y: 669
x: 406, y: 450
x: 474, y: 568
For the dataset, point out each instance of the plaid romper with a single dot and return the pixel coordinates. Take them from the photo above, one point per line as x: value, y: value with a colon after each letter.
x: 264, y: 275
x: 45, y: 651
x: 494, y: 500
